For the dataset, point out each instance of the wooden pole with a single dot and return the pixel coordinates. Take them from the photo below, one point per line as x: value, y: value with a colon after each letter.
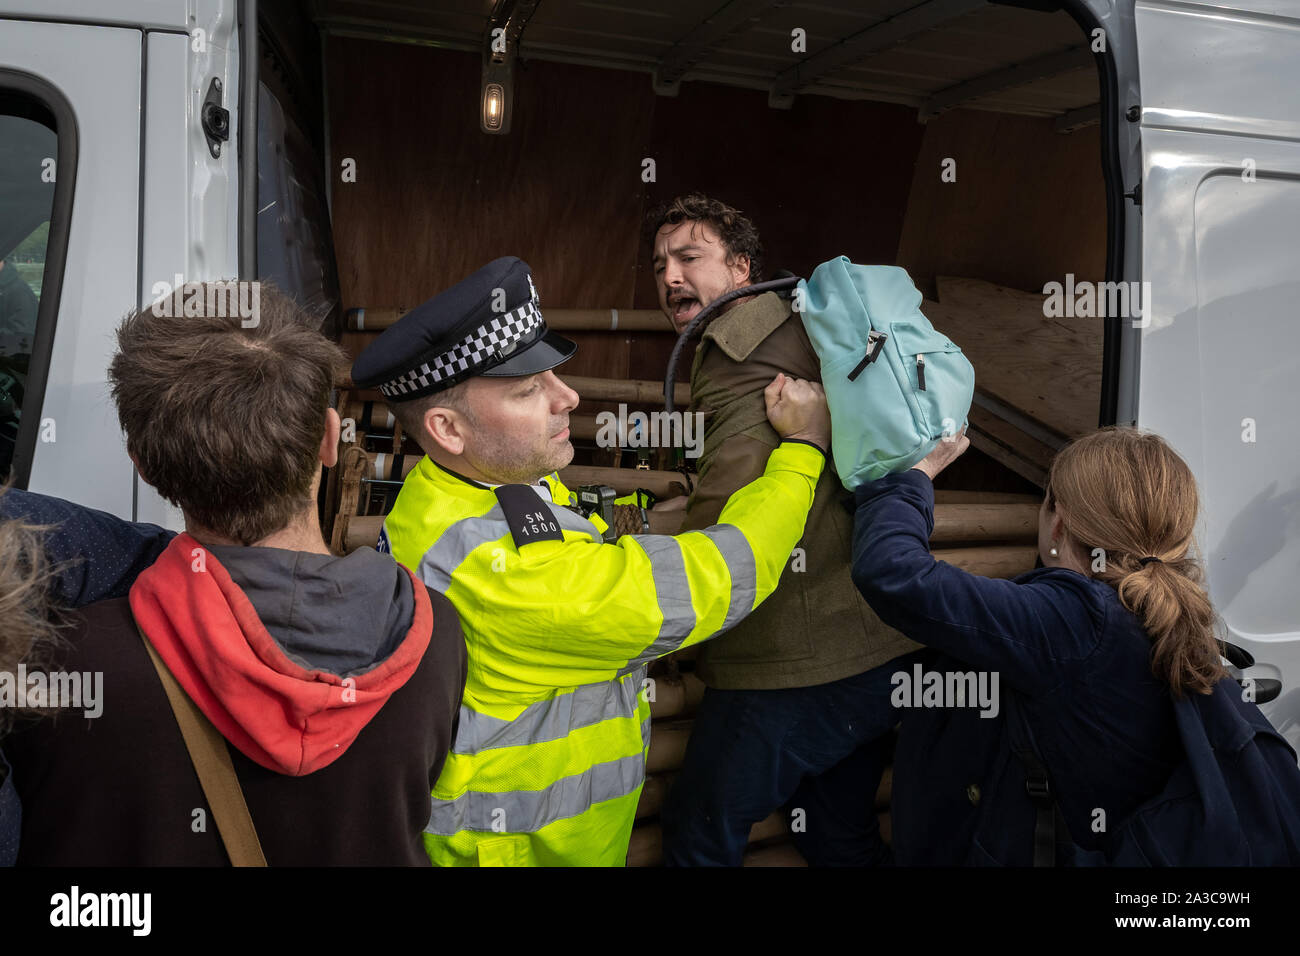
x: 643, y: 391
x: 981, y: 522
x: 353, y: 464
x: 667, y: 746
x: 653, y: 793
x: 608, y: 320
x: 676, y: 697
x: 992, y: 562
x: 646, y: 846
x: 361, y: 531
x: 623, y: 480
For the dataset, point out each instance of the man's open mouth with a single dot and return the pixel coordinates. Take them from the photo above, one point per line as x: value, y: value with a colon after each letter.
x: 684, y: 309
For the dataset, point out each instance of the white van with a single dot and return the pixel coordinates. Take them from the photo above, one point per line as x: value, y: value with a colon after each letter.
x: 133, y: 134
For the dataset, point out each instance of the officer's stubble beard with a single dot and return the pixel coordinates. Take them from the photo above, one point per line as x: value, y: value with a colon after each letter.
x: 499, y: 458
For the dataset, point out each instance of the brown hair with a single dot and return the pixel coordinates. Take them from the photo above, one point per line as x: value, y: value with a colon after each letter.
x: 225, y: 421
x: 28, y: 635
x: 1129, y: 494
x: 738, y: 235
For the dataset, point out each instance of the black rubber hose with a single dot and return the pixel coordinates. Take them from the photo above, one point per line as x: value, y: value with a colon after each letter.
x: 697, y: 323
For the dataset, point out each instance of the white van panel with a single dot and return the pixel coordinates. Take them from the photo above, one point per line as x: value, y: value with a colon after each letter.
x: 1221, y: 354
x: 150, y: 14
x: 190, y: 212
x: 1221, y: 70
x: 86, y: 462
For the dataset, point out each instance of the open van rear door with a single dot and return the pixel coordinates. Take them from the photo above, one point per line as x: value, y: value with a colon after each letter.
x: 1220, y: 337
x: 81, y: 85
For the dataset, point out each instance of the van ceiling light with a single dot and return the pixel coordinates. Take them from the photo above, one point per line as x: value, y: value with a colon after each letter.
x: 497, y: 89
x: 495, y: 109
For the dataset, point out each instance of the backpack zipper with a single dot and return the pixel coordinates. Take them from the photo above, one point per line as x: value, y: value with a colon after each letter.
x: 920, y: 371
x: 875, y: 342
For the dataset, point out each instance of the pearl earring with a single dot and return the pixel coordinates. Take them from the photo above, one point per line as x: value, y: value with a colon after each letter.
x: 1053, y: 552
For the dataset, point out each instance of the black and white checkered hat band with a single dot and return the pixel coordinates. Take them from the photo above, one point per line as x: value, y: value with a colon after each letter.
x: 498, y: 337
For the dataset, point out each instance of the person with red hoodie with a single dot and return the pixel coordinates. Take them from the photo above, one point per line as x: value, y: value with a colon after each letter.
x: 335, y: 682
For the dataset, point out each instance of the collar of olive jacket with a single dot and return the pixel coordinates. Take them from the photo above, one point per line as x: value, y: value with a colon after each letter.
x: 740, y: 330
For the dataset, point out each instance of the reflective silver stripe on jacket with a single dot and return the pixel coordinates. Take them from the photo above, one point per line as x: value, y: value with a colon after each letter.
x: 455, y: 544
x: 744, y: 571
x: 527, y: 811
x: 572, y: 521
x: 550, y: 719
x: 673, y: 591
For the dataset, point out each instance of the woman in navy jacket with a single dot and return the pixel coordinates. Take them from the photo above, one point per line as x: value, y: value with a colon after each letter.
x: 55, y: 554
x: 1091, y: 643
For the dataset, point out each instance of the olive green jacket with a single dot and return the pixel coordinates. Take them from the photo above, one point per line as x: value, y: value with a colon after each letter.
x: 816, y: 627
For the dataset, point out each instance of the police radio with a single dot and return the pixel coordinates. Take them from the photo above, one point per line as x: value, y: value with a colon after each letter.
x: 598, y: 500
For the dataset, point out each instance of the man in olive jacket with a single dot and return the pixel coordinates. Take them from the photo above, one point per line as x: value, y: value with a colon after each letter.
x: 797, y: 711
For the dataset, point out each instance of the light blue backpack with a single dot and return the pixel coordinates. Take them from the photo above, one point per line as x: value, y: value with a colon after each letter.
x: 895, y: 386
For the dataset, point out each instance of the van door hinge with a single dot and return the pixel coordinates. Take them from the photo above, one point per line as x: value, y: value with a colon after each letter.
x: 215, y: 118
x: 1136, y: 194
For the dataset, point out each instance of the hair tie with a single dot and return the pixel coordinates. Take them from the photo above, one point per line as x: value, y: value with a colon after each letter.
x: 1145, y: 561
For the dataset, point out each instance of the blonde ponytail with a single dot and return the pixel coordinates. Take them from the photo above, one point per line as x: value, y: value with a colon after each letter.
x: 1128, y: 495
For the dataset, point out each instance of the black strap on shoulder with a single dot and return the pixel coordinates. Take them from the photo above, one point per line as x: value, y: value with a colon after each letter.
x: 1037, y: 784
x: 1040, y: 795
x: 529, y: 517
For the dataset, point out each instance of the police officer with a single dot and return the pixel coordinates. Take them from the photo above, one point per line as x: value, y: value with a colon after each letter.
x: 549, y: 756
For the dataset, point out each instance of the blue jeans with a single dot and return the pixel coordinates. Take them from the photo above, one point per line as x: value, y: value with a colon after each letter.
x: 816, y: 753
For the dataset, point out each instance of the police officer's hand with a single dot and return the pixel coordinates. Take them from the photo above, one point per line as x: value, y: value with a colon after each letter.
x: 797, y: 409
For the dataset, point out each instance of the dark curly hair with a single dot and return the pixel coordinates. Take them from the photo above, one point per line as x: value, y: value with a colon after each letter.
x: 739, y: 237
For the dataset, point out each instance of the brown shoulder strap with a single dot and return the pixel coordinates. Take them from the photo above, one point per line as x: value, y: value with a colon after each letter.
x: 211, y: 759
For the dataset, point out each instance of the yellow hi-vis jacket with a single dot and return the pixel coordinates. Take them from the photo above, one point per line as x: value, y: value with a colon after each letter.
x: 549, y: 755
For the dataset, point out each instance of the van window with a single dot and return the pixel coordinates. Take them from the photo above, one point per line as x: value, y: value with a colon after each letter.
x: 294, y: 244
x: 28, y: 152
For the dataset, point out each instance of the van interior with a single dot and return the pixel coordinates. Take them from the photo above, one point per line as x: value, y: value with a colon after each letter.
x: 962, y: 140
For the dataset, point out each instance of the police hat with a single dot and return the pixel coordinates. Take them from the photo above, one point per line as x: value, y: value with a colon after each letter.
x: 487, y: 324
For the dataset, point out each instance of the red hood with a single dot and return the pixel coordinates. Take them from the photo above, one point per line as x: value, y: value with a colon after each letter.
x: 283, y: 716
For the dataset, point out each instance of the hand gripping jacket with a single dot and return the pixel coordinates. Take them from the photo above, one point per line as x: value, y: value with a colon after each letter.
x: 549, y: 756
